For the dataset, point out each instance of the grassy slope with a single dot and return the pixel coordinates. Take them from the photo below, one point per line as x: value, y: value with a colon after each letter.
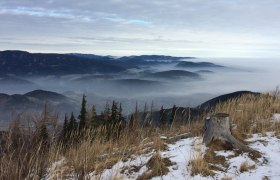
x: 249, y: 113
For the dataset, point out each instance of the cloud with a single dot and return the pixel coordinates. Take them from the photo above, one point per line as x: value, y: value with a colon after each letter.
x: 144, y: 25
x: 139, y: 21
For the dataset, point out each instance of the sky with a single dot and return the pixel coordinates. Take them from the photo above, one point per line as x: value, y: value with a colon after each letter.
x: 200, y: 28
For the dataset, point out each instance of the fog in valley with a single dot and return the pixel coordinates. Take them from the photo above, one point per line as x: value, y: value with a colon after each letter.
x: 144, y: 85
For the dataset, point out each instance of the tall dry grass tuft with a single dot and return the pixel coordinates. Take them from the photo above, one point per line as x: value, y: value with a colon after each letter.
x: 199, y: 166
x: 245, y: 167
x: 252, y: 114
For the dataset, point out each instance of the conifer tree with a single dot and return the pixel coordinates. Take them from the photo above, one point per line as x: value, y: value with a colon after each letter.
x: 16, y: 134
x: 72, y: 124
x: 145, y: 113
x: 114, y: 113
x: 163, y: 118
x: 121, y: 118
x: 173, y: 114
x: 65, y: 130
x: 107, y: 121
x: 72, y: 134
x: 136, y: 114
x: 93, y: 118
x: 134, y: 118
x: 152, y: 111
x: 43, y: 135
x: 121, y: 121
x: 131, y: 121
x: 106, y: 112
x: 83, y: 112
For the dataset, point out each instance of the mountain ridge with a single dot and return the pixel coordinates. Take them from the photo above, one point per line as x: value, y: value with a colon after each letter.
x: 23, y: 63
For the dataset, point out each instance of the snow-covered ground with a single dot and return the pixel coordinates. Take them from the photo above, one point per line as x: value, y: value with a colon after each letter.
x: 181, y: 152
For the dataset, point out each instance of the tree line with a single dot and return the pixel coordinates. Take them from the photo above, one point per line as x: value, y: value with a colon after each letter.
x: 109, y: 124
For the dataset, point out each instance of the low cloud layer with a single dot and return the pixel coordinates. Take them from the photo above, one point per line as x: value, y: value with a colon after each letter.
x: 203, y: 28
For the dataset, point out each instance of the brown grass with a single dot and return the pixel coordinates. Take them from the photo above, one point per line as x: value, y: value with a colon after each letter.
x: 245, y: 167
x: 157, y: 166
x: 91, y: 154
x: 199, y: 166
x: 131, y: 169
x: 252, y: 114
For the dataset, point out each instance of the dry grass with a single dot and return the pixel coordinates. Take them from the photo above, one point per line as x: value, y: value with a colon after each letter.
x: 199, y: 166
x: 215, y: 161
x: 131, y: 169
x: 244, y: 167
x: 252, y: 114
x: 158, y: 144
x: 157, y: 166
x: 91, y: 154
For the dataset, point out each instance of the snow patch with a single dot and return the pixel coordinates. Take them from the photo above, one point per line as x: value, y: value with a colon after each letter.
x: 276, y: 117
x: 224, y: 153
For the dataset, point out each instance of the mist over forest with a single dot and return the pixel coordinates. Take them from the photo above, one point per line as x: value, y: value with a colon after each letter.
x: 158, y: 80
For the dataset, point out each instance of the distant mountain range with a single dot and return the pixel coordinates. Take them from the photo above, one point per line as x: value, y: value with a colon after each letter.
x: 189, y: 64
x: 22, y: 63
x: 171, y: 74
x: 34, y: 64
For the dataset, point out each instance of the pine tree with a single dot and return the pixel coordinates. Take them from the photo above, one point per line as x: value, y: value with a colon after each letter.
x: 108, y: 121
x: 121, y: 121
x: 163, y: 118
x: 145, y: 110
x: 72, y: 134
x: 152, y: 111
x: 65, y: 130
x: 131, y: 121
x: 41, y: 137
x: 145, y: 113
x: 44, y: 136
x: 72, y: 124
x: 83, y: 112
x: 173, y: 114
x: 114, y: 113
x: 121, y: 118
x: 134, y: 118
x: 93, y: 122
x: 16, y: 135
x: 106, y: 112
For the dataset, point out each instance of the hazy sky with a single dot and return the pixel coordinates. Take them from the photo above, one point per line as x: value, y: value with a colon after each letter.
x: 202, y: 28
